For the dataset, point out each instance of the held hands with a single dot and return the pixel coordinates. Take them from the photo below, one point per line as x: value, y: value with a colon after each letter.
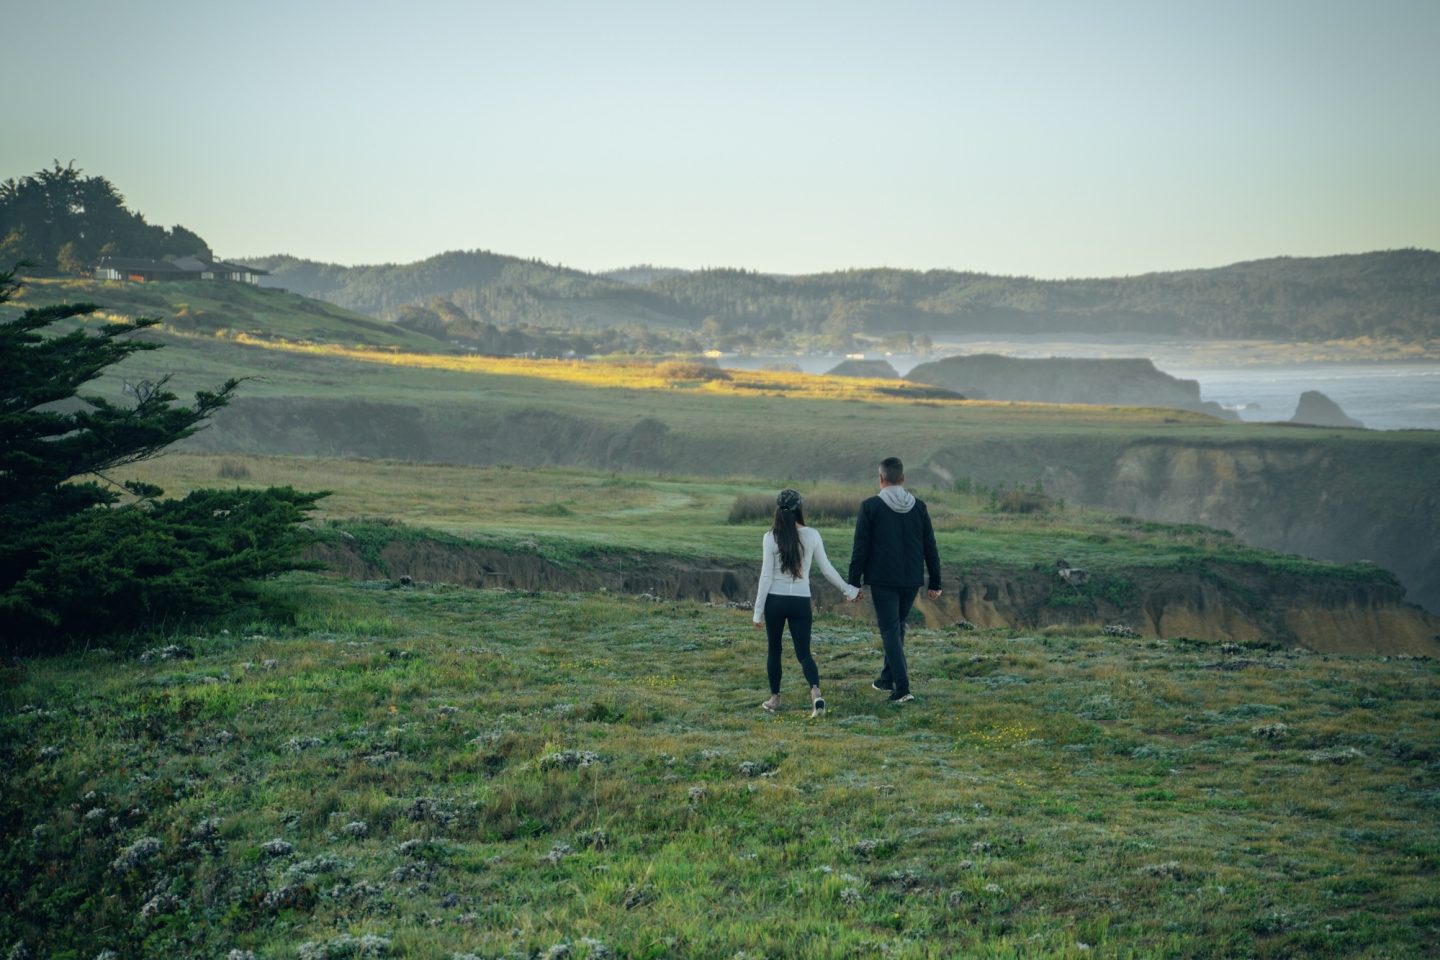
x: 859, y: 594
x: 933, y: 594
x: 757, y: 624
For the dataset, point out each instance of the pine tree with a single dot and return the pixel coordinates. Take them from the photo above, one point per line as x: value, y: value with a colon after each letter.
x: 74, y: 560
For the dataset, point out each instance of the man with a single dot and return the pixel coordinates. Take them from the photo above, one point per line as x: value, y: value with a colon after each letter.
x: 894, y: 549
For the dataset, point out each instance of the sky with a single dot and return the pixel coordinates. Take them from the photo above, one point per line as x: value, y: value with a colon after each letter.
x: 1045, y: 139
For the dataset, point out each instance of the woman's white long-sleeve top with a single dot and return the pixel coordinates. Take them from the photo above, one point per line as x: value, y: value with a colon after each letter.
x: 780, y: 582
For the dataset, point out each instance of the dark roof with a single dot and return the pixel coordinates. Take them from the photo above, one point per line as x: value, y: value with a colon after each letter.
x: 228, y: 267
x: 139, y: 263
x: 168, y: 266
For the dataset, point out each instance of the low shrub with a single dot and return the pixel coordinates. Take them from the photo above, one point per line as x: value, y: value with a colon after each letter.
x: 683, y: 370
x: 1023, y: 501
x: 233, y: 470
x: 818, y: 507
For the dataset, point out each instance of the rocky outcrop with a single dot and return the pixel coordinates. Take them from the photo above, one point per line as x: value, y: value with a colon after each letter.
x: 874, y: 369
x: 1342, y: 501
x: 1120, y: 382
x: 1317, y: 410
x: 1220, y: 603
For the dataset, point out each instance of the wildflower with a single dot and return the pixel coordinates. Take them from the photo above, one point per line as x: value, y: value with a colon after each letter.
x: 1169, y: 870
x: 867, y: 849
x: 596, y: 949
x: 346, y: 947
x: 412, y: 848
x: 1270, y: 731
x: 277, y: 848
x: 569, y: 760
x: 134, y: 855
x: 295, y: 896
x: 158, y: 906
x: 172, y: 652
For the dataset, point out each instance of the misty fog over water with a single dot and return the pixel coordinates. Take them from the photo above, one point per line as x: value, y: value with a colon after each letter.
x: 1382, y: 395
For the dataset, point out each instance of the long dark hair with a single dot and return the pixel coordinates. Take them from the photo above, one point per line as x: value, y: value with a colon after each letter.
x: 789, y: 517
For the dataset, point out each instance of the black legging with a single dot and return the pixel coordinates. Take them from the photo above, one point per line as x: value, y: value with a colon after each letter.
x: 796, y: 610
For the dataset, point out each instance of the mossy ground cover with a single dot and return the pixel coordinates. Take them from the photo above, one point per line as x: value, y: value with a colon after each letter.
x: 434, y: 771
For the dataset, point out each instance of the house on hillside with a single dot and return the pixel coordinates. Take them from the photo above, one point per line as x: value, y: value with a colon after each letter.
x: 138, y: 270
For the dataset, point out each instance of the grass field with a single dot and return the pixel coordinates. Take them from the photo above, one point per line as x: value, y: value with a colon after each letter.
x: 441, y: 772
x: 564, y: 510
x: 427, y: 770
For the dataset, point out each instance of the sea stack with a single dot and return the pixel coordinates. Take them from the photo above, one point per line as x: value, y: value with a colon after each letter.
x: 874, y: 369
x: 1317, y: 410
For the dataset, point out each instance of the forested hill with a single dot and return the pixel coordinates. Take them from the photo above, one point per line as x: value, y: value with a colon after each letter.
x: 1392, y: 293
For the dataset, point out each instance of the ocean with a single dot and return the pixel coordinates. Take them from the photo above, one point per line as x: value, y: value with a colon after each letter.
x: 1383, y: 395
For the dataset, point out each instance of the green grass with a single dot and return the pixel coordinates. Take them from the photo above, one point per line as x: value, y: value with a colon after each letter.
x: 571, y: 512
x: 210, y: 308
x: 1049, y: 794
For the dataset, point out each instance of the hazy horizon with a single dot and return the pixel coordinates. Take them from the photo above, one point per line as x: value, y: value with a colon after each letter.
x: 825, y: 270
x: 1047, y: 141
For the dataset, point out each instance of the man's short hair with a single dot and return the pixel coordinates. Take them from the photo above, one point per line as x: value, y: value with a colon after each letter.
x: 892, y: 470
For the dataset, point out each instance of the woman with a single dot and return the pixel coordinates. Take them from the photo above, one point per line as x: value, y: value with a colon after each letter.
x: 784, y: 593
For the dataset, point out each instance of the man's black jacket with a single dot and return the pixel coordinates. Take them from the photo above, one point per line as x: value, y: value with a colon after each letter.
x: 894, y: 549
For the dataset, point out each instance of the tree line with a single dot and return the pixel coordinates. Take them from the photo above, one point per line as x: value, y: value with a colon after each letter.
x: 1389, y: 293
x: 62, y: 222
x: 59, y: 221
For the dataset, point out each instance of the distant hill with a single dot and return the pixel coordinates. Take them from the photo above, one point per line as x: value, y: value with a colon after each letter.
x: 62, y: 221
x: 643, y: 275
x: 489, y: 287
x: 1392, y: 293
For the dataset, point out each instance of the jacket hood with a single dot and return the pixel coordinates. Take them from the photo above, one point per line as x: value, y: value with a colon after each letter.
x: 897, y: 498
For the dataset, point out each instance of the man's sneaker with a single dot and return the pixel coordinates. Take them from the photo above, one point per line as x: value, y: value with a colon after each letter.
x: 819, y: 708
x: 882, y: 687
x: 898, y: 697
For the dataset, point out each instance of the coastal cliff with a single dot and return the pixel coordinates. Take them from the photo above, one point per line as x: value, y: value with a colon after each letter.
x: 1212, y: 602
x: 1125, y: 382
x: 1346, y: 496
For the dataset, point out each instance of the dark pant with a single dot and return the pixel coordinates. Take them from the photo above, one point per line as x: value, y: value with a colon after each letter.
x: 780, y: 610
x: 892, y: 606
